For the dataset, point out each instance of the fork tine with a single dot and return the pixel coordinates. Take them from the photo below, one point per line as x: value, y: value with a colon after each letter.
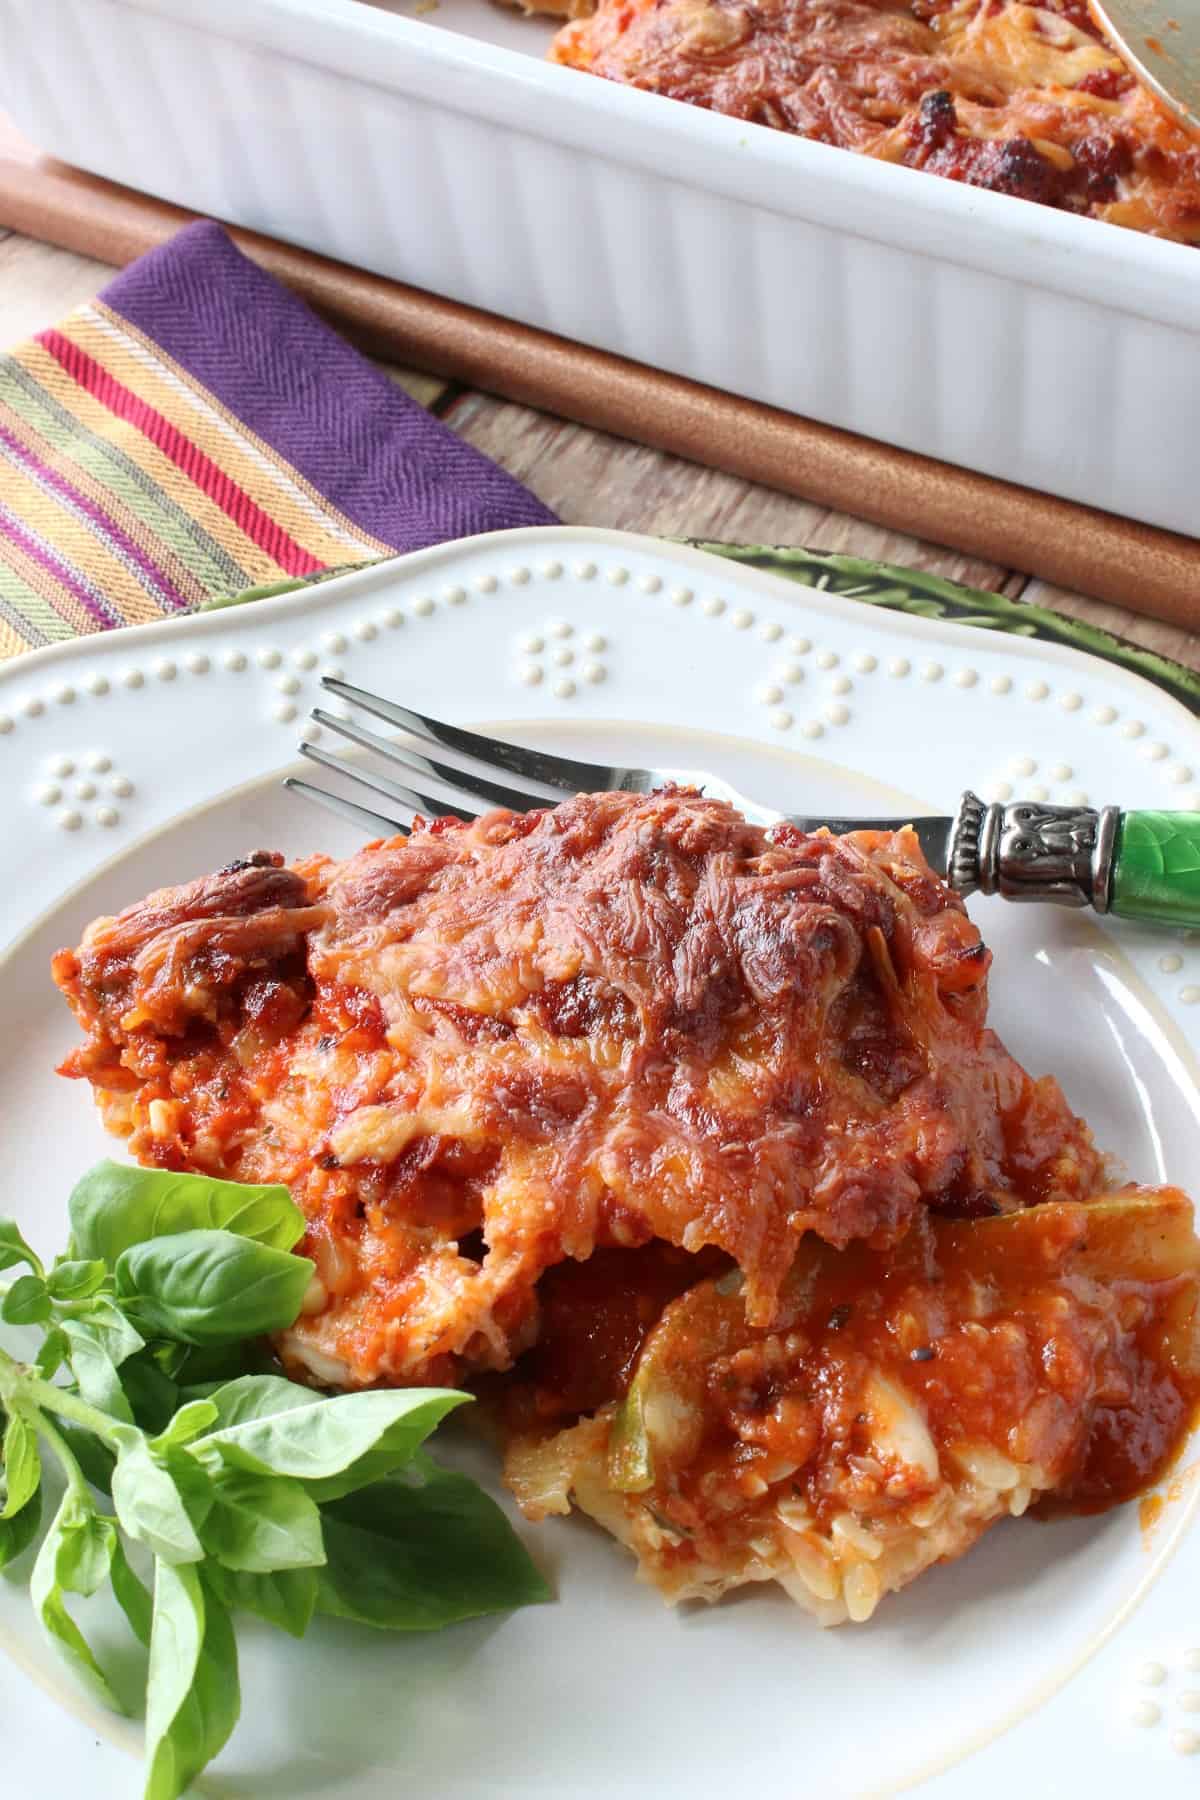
x: 380, y: 784
x: 556, y: 776
x: 373, y: 822
x: 491, y: 793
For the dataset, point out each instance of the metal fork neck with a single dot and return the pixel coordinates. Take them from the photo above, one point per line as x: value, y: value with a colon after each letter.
x: 1027, y: 851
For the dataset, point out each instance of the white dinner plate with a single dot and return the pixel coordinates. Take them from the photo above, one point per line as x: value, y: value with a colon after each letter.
x: 1053, y: 1659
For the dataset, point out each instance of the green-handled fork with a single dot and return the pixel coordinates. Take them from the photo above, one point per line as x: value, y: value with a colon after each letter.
x: 1138, y: 865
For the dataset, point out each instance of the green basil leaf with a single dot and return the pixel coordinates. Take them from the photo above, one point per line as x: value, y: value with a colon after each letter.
x: 52, y: 1354
x: 17, y: 1533
x: 76, y: 1280
x: 192, y: 1418
x: 414, y: 1558
x: 218, y: 1363
x: 27, y: 1302
x: 109, y: 1322
x: 14, y: 1249
x: 95, y: 1372
x: 286, y: 1597
x: 85, y: 1547
x: 94, y: 1458
x: 132, y: 1595
x: 192, y: 1694
x: 22, y: 1465
x: 325, y: 1439
x: 259, y: 1397
x: 149, y: 1503
x: 60, y: 1628
x: 116, y: 1206
x: 261, y: 1523
x: 210, y: 1287
x: 153, y: 1396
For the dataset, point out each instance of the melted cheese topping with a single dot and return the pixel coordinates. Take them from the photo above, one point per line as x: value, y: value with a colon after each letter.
x: 1026, y: 100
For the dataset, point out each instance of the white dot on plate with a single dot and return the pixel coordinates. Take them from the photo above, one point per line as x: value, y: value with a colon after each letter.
x: 1036, y: 690
x: 559, y: 628
x: 840, y: 684
x: 423, y: 607
x: 1152, y: 1674
x: 595, y: 641
x: 781, y: 719
x: 827, y: 659
x: 1189, y: 995
x: 681, y: 596
x: 62, y: 766
x: 165, y: 669
x: 365, y: 630
x: 484, y: 584
x: 1185, y: 1743
x: 530, y: 673
x: 790, y: 672
x: 1077, y: 797
x: 770, y: 632
x: 1038, y: 792
x: 33, y: 708
x: 713, y: 607
x: 965, y: 678
x: 1179, y: 775
x: 271, y: 659
x: 307, y: 659
x: 1191, y: 1659
x: 288, y: 684
x: 769, y: 694
x: 649, y: 584
x: 1104, y: 715
x: 1001, y: 684
x: 70, y: 821
x: 107, y: 815
x: 519, y: 577
x: 899, y: 667
x: 133, y: 678
x: 531, y: 643
x: 740, y: 619
x: 393, y: 618
x: 1154, y: 751
x: 234, y: 660
x: 865, y: 663
x: 1132, y: 728
x: 585, y: 570
x: 617, y: 576
x: 1070, y: 702
x: 97, y: 684
x: 564, y: 688
x: 1189, y: 1700
x: 932, y: 671
x: 121, y: 786
x: 454, y: 595
x: 284, y: 711
x: 1144, y: 1712
x: 1023, y: 765
x: 837, y: 713
x: 6, y: 724
x: 332, y: 640
x: 800, y: 646
x: 551, y: 571
x: 49, y: 793
x: 593, y: 672
x: 1001, y: 790
x: 563, y: 658
x: 198, y: 664
x: 812, y: 728
x: 85, y: 790
x: 1171, y: 963
x: 1061, y: 772
x: 311, y: 733
x: 65, y: 694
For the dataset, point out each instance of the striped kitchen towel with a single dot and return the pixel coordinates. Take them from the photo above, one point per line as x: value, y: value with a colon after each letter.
x: 196, y: 432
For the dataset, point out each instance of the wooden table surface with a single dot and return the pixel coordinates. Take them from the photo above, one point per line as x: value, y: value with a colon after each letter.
x: 589, y: 478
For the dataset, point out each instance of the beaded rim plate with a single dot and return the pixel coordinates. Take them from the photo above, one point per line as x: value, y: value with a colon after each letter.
x: 1056, y: 1653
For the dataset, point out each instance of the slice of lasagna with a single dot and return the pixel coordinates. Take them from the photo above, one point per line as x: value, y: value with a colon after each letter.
x: 536, y: 1079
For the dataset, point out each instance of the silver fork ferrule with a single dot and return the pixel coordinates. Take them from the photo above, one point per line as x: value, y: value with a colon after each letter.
x: 1024, y: 850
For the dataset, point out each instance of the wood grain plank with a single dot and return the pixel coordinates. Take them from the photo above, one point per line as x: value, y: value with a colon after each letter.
x: 1151, y: 634
x: 590, y: 478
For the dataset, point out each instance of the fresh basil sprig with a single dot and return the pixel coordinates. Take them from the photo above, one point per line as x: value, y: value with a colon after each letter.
x: 242, y: 1491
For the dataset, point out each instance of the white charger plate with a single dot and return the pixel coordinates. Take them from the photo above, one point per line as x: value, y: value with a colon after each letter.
x: 1062, y: 1656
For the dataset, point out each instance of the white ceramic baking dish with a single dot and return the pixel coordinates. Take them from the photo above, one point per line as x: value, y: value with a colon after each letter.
x: 984, y: 330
